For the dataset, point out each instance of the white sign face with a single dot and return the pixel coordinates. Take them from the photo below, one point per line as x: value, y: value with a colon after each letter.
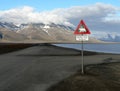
x: 82, y: 37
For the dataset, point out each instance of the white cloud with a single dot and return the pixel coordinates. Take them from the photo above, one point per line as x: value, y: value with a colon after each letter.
x: 18, y: 15
x: 98, y: 16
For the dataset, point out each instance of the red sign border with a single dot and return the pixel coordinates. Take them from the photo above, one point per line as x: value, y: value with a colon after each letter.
x: 82, y: 23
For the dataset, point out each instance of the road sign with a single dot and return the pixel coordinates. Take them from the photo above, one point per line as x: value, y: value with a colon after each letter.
x: 82, y: 28
x: 81, y: 33
x: 82, y: 37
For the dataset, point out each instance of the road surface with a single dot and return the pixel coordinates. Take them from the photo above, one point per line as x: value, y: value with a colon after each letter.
x: 32, y: 69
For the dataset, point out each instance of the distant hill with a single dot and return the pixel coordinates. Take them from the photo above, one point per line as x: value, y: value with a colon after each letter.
x: 38, y: 32
x: 109, y: 37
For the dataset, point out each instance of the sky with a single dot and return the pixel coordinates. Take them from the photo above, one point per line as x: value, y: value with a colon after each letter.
x: 51, y: 4
x: 100, y: 15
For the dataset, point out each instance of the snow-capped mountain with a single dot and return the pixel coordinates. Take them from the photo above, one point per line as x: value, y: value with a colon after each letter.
x: 105, y: 36
x: 13, y: 26
x: 42, y: 25
x: 35, y: 31
x: 39, y: 32
x: 7, y: 25
x: 45, y: 32
x: 112, y: 38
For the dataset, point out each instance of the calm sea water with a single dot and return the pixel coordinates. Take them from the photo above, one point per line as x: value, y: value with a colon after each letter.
x: 106, y: 48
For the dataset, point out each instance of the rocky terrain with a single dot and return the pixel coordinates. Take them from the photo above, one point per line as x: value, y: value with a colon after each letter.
x: 38, y: 33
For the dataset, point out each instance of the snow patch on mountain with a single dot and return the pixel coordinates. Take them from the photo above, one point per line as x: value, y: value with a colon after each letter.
x: 30, y: 28
x: 106, y: 36
x: 10, y: 25
x: 45, y: 28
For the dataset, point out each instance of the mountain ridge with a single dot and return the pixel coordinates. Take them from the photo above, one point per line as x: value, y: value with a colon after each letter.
x: 39, y: 32
x: 108, y: 37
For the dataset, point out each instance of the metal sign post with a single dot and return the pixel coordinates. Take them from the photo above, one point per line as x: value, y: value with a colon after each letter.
x: 81, y: 33
x: 82, y: 56
x: 82, y: 38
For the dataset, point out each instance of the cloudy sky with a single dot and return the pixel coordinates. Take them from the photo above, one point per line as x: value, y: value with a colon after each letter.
x: 100, y: 15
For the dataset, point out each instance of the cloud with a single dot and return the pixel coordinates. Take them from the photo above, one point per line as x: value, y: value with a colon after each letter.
x: 28, y: 14
x: 99, y: 16
x: 18, y: 15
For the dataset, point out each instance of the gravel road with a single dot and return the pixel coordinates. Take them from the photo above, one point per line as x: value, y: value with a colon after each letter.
x: 35, y: 69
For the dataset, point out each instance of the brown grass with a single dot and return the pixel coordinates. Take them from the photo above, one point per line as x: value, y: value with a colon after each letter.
x: 100, y: 77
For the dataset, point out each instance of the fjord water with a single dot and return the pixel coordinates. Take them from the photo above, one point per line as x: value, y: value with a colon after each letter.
x: 106, y: 48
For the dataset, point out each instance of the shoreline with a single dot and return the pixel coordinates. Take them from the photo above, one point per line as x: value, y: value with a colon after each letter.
x: 26, y: 45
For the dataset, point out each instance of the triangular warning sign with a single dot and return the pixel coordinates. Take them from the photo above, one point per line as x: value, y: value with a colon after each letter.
x: 82, y: 28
